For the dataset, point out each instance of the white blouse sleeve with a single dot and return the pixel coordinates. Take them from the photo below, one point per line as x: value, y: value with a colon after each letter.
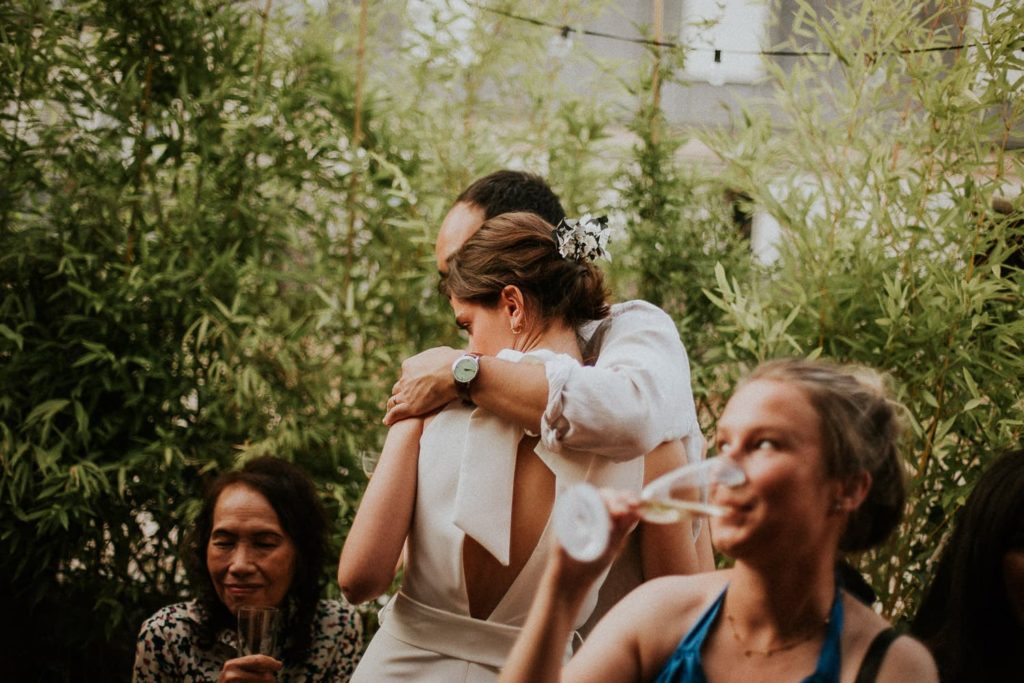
x: 635, y: 397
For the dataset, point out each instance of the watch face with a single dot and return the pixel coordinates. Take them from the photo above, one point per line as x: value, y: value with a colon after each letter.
x: 465, y: 369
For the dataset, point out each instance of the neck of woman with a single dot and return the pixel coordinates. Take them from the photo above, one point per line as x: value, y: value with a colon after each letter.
x: 779, y: 603
x: 555, y: 336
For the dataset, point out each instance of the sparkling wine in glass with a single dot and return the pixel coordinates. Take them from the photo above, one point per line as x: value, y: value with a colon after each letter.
x: 581, y: 520
x: 257, y: 630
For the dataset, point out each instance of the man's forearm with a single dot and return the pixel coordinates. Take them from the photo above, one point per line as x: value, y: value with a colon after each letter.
x: 517, y: 392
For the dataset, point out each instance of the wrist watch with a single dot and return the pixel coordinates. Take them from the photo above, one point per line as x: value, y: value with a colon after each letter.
x: 464, y: 371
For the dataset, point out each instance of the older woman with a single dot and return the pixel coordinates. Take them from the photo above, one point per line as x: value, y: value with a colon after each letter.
x: 818, y: 445
x: 467, y: 493
x: 260, y: 539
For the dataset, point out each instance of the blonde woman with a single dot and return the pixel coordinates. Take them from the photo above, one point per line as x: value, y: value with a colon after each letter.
x: 818, y: 445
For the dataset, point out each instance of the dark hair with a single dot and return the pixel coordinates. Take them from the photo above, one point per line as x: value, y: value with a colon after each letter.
x: 860, y: 427
x: 507, y: 191
x: 966, y: 619
x: 520, y: 249
x: 291, y: 493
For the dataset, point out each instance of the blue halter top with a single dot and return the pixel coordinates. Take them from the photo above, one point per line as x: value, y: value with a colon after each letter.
x: 685, y: 667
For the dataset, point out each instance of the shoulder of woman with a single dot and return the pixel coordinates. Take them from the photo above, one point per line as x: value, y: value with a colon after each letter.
x: 338, y: 614
x: 339, y: 633
x: 660, y: 612
x: 860, y: 625
x: 907, y: 660
x: 859, y: 616
x: 172, y: 616
x: 680, y: 596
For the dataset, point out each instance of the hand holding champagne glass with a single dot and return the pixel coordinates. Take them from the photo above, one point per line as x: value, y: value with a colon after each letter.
x: 581, y: 521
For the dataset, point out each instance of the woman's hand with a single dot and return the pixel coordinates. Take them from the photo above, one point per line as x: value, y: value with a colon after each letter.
x: 250, y: 668
x: 573, y: 577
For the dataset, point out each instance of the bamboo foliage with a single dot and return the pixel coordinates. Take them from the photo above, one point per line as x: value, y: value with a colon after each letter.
x: 178, y: 294
x: 894, y: 255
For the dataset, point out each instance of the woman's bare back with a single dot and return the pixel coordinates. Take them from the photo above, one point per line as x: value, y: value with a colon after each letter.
x: 487, y: 580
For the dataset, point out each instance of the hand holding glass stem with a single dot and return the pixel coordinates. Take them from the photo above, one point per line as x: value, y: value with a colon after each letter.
x: 582, y: 524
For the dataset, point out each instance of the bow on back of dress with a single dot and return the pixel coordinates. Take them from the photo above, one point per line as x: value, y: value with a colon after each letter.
x: 483, y: 497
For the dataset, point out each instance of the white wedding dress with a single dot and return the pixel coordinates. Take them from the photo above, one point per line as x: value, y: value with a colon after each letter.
x: 464, y: 487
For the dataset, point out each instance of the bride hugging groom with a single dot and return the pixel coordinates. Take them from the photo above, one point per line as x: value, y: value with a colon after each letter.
x: 556, y: 386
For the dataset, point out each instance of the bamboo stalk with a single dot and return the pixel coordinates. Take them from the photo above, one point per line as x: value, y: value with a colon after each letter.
x: 264, y: 15
x: 658, y: 11
x: 357, y: 126
x: 357, y: 140
x: 140, y: 151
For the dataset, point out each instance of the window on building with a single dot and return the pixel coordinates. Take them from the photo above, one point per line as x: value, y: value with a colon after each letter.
x: 725, y: 38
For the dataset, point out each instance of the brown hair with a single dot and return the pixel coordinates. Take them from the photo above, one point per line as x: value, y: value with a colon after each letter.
x: 520, y: 249
x: 966, y: 618
x: 860, y: 428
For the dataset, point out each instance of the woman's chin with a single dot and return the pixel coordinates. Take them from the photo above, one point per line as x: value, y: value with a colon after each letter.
x: 723, y: 542
x: 234, y: 602
x: 729, y: 539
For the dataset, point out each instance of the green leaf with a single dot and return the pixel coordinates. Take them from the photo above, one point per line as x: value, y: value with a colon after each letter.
x: 45, y: 411
x: 974, y: 403
x: 13, y: 336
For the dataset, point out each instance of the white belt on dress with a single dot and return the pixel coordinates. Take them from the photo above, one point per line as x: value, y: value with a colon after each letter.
x: 452, y: 635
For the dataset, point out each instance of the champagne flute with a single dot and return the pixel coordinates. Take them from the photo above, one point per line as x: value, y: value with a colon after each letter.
x: 581, y: 520
x: 257, y: 630
x: 368, y: 459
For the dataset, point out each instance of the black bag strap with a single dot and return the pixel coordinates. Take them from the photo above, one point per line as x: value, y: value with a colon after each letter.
x: 872, y: 661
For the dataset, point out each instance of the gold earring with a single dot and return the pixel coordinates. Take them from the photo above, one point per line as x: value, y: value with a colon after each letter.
x: 516, y: 329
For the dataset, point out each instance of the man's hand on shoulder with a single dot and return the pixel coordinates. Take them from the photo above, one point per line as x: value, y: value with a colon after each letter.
x: 425, y: 384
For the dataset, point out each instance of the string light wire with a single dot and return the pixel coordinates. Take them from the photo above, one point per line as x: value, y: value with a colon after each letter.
x: 565, y: 30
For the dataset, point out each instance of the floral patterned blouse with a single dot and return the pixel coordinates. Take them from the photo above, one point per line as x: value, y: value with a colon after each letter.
x: 167, y: 651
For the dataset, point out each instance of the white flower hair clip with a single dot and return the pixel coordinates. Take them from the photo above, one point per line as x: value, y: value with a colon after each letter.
x: 583, y: 239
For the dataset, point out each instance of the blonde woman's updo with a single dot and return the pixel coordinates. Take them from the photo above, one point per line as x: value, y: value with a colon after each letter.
x: 861, y: 428
x: 520, y: 249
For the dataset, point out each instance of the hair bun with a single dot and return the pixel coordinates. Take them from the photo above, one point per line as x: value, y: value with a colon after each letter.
x: 521, y: 249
